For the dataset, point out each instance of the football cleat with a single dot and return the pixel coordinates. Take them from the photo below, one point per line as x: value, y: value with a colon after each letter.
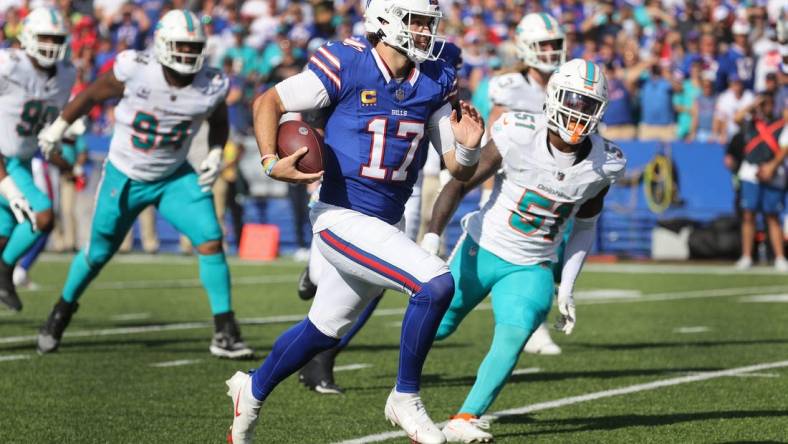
x: 306, y: 289
x: 744, y: 263
x: 227, y: 342
x: 318, y: 373
x: 540, y: 343
x: 467, y: 428
x: 245, y: 409
x: 407, y: 411
x: 52, y: 331
x: 780, y: 264
x: 8, y: 296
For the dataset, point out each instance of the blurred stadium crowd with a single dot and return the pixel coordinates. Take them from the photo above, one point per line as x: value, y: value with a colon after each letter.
x: 678, y: 70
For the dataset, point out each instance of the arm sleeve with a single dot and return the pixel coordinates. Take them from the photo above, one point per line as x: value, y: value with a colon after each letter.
x: 577, y: 247
x: 439, y: 129
x: 303, y: 92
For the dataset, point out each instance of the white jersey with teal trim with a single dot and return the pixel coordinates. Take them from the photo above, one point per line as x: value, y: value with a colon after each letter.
x: 524, y: 220
x: 155, y: 121
x: 29, y: 100
x: 517, y: 92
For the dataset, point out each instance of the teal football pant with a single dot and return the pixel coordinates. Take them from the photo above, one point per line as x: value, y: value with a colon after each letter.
x: 179, y: 200
x: 20, y: 236
x: 521, y: 299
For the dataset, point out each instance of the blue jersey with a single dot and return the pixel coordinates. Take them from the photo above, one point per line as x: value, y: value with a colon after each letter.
x: 376, y: 131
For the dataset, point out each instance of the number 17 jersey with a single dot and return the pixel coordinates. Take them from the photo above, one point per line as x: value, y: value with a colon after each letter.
x: 377, y: 126
x: 155, y: 121
x: 524, y: 220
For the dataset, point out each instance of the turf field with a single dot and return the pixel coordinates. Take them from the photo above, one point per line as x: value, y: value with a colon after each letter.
x: 679, y: 354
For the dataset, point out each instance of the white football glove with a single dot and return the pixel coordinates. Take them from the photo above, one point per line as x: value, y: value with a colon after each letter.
x: 566, y: 306
x: 431, y: 242
x: 76, y: 129
x: 209, y: 169
x: 17, y: 201
x: 49, y: 137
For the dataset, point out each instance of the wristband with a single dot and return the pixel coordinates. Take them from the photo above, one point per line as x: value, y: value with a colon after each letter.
x: 269, y: 161
x: 466, y: 156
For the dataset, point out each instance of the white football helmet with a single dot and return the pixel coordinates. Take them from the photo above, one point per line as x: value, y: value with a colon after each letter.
x: 391, y: 19
x: 531, y: 32
x: 576, y: 100
x: 44, y: 22
x: 179, y: 26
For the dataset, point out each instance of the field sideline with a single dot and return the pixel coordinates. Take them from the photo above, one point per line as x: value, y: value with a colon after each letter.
x: 661, y: 353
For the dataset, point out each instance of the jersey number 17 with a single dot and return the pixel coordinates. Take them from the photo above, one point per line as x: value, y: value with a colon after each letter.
x: 406, y: 129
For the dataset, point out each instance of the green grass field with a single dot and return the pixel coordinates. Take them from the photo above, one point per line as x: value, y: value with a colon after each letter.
x: 134, y: 365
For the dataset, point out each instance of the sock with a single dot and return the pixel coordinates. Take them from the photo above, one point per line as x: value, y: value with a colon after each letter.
x: 32, y: 254
x: 422, y: 317
x: 80, y: 275
x: 495, y: 369
x: 215, y: 277
x: 21, y: 239
x: 294, y: 348
x: 362, y: 319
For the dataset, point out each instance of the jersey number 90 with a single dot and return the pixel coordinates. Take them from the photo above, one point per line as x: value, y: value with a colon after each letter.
x: 146, y: 135
x: 34, y: 116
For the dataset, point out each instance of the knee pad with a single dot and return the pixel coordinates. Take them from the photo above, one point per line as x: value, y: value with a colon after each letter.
x: 330, y: 325
x: 97, y: 259
x: 439, y: 290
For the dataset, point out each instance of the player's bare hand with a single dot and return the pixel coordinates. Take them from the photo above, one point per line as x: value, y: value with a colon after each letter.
x: 286, y: 171
x: 469, y: 129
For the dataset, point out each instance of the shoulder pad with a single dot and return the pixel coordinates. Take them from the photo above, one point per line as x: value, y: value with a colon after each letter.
x: 515, y: 128
x: 502, y: 85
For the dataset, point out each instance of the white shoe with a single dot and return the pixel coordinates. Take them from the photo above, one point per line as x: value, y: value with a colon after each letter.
x: 744, y: 263
x: 467, y: 430
x: 22, y: 279
x: 540, y: 343
x: 407, y: 411
x: 245, y: 409
x: 780, y: 264
x: 301, y: 255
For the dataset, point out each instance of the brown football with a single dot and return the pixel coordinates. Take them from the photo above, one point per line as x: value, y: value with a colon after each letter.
x: 294, y: 134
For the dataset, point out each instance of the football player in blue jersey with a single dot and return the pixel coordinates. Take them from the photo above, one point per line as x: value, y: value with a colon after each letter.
x: 318, y: 373
x: 384, y: 95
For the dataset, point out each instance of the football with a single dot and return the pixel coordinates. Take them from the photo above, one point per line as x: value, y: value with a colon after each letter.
x: 294, y: 134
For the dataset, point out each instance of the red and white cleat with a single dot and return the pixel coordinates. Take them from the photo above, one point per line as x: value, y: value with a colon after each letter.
x: 245, y: 409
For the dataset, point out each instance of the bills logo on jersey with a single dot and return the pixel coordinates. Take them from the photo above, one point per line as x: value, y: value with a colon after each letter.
x: 369, y: 97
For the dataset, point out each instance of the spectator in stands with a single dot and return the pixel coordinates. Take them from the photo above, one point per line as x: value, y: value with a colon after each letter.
x: 763, y: 178
x: 619, y: 119
x: 729, y: 103
x: 657, y: 121
x: 738, y: 61
x: 702, y: 129
x: 683, y: 102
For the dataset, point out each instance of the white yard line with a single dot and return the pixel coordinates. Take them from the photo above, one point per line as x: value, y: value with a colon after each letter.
x: 688, y: 268
x: 690, y: 330
x: 526, y: 371
x: 593, y: 396
x: 350, y: 367
x: 710, y: 293
x: 14, y: 357
x: 130, y: 317
x: 172, y: 283
x: 766, y: 298
x: 176, y: 363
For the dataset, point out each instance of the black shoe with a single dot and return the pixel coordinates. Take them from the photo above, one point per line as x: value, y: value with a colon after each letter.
x: 8, y: 296
x: 306, y: 289
x: 318, y: 374
x: 52, y: 331
x: 227, y: 342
